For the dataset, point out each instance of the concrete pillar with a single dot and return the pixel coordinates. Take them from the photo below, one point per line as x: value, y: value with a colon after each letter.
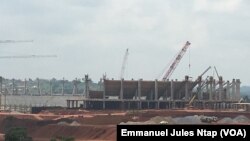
x: 139, y: 89
x: 211, y: 88
x: 73, y: 103
x: 13, y: 86
x: 214, y: 95
x: 156, y: 94
x: 139, y: 93
x: 220, y: 88
x: 104, y: 96
x: 1, y: 85
x: 63, y: 86
x: 1, y: 91
x: 38, y: 87
x: 50, y: 86
x: 186, y: 88
x: 238, y: 89
x: 207, y: 88
x: 228, y: 97
x: 172, y: 90
x: 233, y: 95
x: 121, y: 90
x: 25, y: 87
x: 199, y: 92
x: 68, y: 105
x: 156, y: 90
x: 76, y: 104
x: 86, y: 91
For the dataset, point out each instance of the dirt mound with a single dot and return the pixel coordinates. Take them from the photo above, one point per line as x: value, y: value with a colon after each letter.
x: 241, y: 119
x: 85, y: 132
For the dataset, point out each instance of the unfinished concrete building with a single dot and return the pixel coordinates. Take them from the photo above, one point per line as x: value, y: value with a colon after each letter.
x: 170, y: 94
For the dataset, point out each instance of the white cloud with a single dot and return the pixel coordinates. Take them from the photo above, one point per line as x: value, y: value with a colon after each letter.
x: 217, y: 5
x: 91, y: 37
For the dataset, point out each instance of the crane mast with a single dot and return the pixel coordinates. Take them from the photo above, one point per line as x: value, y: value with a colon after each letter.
x: 124, y: 64
x: 176, y: 61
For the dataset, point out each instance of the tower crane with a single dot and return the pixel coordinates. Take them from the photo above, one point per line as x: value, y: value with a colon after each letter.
x: 23, y: 56
x: 176, y: 61
x: 28, y: 56
x: 124, y: 64
x: 15, y: 41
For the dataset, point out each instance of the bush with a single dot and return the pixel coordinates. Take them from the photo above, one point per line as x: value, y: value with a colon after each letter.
x: 63, y: 139
x: 17, y: 134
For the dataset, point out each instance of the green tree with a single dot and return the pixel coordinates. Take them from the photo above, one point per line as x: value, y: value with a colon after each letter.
x: 17, y: 134
x: 62, y: 138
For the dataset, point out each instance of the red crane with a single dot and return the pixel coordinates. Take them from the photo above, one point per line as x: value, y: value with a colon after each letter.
x: 177, y: 59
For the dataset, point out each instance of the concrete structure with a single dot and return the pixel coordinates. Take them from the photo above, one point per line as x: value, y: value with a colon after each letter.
x: 141, y: 94
x: 124, y: 94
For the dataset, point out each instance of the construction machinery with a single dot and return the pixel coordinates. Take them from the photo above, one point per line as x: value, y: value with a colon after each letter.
x: 189, y: 105
x: 15, y: 41
x: 23, y: 56
x: 28, y: 56
x: 216, y: 72
x: 124, y: 64
x: 208, y: 119
x: 176, y: 61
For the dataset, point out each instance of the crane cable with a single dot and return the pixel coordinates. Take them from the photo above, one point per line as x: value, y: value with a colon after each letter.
x: 189, y: 60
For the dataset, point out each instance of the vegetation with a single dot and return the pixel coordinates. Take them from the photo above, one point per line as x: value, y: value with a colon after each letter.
x: 17, y: 134
x: 63, y: 139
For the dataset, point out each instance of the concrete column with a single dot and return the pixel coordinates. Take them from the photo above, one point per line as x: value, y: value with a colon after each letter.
x: 67, y: 103
x: 38, y: 87
x: 172, y: 90
x: 1, y: 90
x: 13, y: 86
x: 233, y: 90
x: 186, y: 88
x: 121, y: 90
x: 86, y: 91
x: 50, y: 86
x: 63, y: 86
x: 76, y: 104
x: 220, y: 88
x: 156, y: 94
x: 156, y: 90
x: 238, y: 89
x: 139, y: 89
x: 139, y: 93
x: 200, y: 95
x: 214, y: 96
x: 25, y: 87
x: 211, y: 88
x: 73, y: 103
x: 228, y: 97
x: 104, y: 95
x: 1, y: 85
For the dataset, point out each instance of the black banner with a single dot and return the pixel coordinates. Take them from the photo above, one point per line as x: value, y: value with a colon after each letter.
x: 190, y: 132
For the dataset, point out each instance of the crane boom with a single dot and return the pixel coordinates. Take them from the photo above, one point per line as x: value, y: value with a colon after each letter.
x: 124, y: 64
x: 15, y: 41
x: 216, y: 72
x: 27, y: 56
x: 176, y: 61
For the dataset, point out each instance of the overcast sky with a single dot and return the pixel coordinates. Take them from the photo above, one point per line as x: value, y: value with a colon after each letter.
x: 91, y: 36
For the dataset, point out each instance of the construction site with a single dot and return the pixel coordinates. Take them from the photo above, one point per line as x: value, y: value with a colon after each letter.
x: 57, y: 107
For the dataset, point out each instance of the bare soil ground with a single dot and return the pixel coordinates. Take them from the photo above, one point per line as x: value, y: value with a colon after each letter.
x: 90, y: 125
